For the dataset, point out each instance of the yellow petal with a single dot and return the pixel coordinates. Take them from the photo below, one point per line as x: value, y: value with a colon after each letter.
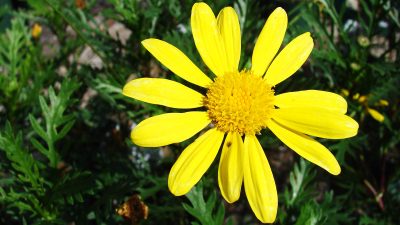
x: 317, y: 123
x: 208, y: 39
x: 362, y: 99
x: 376, y: 115
x: 163, y: 92
x: 230, y: 170
x: 290, y: 59
x: 194, y: 162
x: 321, y: 100
x: 306, y: 147
x: 269, y: 41
x: 356, y: 96
x: 228, y: 25
x: 345, y: 92
x: 259, y: 182
x: 169, y: 128
x: 383, y: 102
x: 176, y: 61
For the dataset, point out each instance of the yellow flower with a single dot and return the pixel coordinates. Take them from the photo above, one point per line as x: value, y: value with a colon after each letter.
x: 363, y: 100
x: 36, y: 30
x: 238, y: 105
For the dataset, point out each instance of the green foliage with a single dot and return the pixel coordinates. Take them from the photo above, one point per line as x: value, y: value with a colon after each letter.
x: 65, y: 153
x: 299, y: 179
x: 203, y: 210
x: 23, y: 162
x: 27, y: 188
x: 54, y: 120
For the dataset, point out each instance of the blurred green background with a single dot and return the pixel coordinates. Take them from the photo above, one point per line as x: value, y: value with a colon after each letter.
x: 65, y: 153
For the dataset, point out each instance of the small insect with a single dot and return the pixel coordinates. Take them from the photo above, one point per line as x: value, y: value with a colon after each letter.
x: 133, y: 209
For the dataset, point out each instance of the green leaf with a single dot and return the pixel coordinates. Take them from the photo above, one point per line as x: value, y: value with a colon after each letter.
x: 21, y: 160
x: 38, y: 5
x: 66, y: 128
x: 39, y: 146
x: 37, y: 128
x: 44, y: 107
x: 203, y: 210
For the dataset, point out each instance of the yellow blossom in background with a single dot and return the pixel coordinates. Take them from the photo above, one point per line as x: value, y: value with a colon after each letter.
x: 36, y: 30
x: 363, y: 100
x: 238, y: 104
x: 376, y: 115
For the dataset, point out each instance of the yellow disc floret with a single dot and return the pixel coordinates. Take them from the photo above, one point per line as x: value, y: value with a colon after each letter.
x: 239, y: 102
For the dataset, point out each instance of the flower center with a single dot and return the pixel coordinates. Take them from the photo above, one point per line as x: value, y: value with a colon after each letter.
x: 239, y: 102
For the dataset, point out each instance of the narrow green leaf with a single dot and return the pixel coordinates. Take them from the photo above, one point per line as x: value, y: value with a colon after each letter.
x: 39, y: 146
x: 64, y: 119
x: 44, y: 107
x: 67, y: 127
x: 37, y: 128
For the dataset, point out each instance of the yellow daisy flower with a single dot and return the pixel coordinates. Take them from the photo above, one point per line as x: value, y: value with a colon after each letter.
x: 238, y: 105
